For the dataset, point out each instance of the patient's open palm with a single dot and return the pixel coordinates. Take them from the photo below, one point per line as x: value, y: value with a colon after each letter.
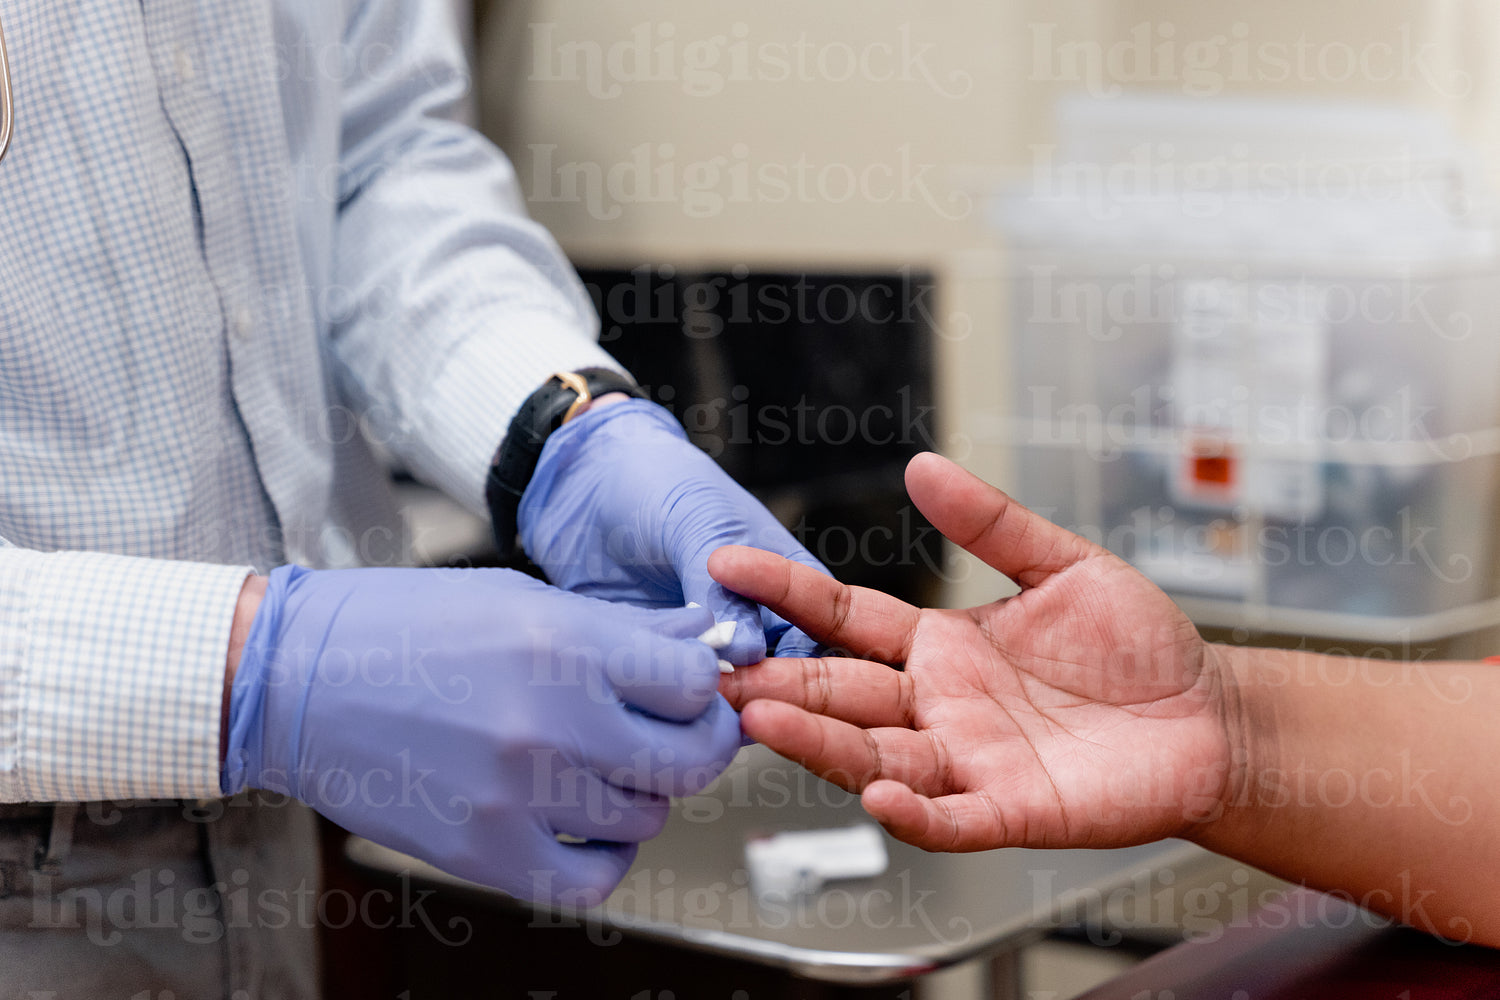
x: 1083, y: 712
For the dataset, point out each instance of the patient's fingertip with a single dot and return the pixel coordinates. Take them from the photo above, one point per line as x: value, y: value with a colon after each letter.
x: 883, y: 794
x: 730, y: 560
x: 925, y: 465
x: 895, y: 807
x: 756, y: 713
x: 720, y: 561
x: 925, y: 459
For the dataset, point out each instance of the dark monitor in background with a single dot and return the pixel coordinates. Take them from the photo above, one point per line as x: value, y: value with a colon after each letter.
x: 811, y: 389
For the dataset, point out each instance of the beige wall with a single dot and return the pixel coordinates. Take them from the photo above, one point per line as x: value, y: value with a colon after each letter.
x: 855, y: 133
x: 904, y: 99
x: 836, y: 127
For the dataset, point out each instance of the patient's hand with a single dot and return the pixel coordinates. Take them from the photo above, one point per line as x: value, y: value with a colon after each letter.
x: 1083, y: 712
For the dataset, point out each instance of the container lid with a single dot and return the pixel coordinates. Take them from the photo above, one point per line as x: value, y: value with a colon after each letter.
x: 1327, y: 183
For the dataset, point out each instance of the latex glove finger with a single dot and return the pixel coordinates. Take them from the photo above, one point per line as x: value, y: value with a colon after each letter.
x: 578, y: 802
x: 673, y: 680
x: 687, y: 622
x: 664, y: 758
x: 572, y: 874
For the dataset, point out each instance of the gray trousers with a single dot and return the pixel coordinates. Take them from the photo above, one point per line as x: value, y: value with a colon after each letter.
x: 173, y: 900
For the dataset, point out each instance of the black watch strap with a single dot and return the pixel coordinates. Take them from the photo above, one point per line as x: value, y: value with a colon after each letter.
x: 543, y: 412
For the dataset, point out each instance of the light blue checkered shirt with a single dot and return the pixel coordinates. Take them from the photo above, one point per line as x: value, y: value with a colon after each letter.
x: 229, y: 232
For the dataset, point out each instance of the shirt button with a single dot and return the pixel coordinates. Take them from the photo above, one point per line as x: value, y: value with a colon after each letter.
x: 184, y: 63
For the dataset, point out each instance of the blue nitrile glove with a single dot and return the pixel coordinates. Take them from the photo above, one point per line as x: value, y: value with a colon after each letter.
x: 469, y: 717
x: 623, y: 507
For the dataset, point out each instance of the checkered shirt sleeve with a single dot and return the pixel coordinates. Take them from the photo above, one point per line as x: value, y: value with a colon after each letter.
x: 234, y: 235
x: 109, y: 667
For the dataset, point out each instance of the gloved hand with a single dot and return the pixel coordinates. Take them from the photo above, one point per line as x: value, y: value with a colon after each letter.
x: 468, y: 717
x: 623, y: 507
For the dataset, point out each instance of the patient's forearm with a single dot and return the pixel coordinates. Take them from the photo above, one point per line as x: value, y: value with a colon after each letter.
x: 1378, y: 778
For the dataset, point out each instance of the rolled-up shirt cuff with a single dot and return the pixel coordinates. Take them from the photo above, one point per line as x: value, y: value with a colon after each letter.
x: 111, y: 675
x: 476, y: 393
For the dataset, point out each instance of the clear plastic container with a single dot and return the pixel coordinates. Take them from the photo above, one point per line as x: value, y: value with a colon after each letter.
x: 1342, y: 486
x: 1280, y: 405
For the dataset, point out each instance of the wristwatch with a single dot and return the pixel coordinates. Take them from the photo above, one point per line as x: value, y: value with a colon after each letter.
x: 558, y: 400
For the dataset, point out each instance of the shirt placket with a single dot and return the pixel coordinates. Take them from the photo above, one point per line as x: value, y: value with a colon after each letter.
x: 222, y: 104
